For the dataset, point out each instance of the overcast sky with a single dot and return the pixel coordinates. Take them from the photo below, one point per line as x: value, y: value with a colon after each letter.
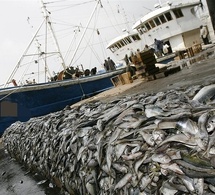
x: 21, y: 18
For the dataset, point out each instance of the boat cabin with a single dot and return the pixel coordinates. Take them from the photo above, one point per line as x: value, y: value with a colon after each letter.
x: 176, y: 25
x: 125, y: 44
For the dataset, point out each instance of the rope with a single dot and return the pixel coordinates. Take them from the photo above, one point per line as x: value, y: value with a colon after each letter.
x: 11, y: 92
x: 82, y: 90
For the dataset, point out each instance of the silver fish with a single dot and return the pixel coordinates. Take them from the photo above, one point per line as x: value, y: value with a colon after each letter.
x: 123, y: 181
x: 207, y: 93
x: 161, y: 158
x: 180, y: 138
x: 172, y: 167
x: 199, y: 185
x: 166, y: 188
x: 210, y: 126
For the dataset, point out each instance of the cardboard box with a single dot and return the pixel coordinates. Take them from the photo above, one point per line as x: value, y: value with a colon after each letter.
x: 127, y: 78
x: 150, y: 78
x: 197, y: 48
x: 117, y: 80
x: 160, y: 75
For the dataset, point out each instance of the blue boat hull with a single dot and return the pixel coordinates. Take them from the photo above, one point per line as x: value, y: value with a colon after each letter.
x: 23, y: 103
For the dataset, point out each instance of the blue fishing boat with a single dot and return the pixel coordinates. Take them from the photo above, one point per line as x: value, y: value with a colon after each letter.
x: 23, y: 101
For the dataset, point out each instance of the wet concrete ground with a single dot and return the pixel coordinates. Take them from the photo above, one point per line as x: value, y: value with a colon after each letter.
x: 15, y: 178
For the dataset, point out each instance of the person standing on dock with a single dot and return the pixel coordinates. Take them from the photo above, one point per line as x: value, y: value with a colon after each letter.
x: 106, y: 66
x: 165, y: 49
x: 204, y: 34
x: 128, y: 67
x: 158, y: 47
x: 111, y: 64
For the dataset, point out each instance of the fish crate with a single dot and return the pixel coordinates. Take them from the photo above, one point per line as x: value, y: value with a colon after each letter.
x: 200, y: 58
x: 190, y: 52
x: 140, y: 74
x: 180, y: 54
x: 145, y: 54
x: 147, y: 57
x: 135, y: 60
x: 150, y: 77
x: 117, y: 80
x: 197, y: 48
x: 127, y: 78
x: 172, y: 70
x: 152, y: 71
x: 140, y: 67
x: 160, y: 75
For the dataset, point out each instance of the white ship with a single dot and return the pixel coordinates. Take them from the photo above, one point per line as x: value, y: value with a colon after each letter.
x: 176, y: 25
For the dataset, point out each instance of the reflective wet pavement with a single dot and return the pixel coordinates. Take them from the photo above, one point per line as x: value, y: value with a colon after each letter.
x: 16, y: 180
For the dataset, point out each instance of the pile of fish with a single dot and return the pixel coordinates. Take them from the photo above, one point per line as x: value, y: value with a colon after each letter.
x: 161, y: 143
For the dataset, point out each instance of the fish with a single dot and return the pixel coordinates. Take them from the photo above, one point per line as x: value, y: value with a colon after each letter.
x: 195, y: 160
x: 188, y: 182
x: 190, y: 127
x: 122, y: 182
x: 180, y: 138
x: 202, y: 131
x: 199, y: 185
x: 161, y: 158
x: 136, y: 144
x: 209, y: 171
x: 211, y: 124
x: 166, y: 188
x: 132, y: 156
x: 172, y: 167
x: 151, y: 110
x: 120, y: 168
x: 175, y: 183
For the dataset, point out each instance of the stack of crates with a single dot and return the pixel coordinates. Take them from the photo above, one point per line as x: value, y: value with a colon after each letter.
x: 197, y: 48
x: 117, y: 80
x: 139, y: 65
x: 127, y: 78
x: 145, y: 64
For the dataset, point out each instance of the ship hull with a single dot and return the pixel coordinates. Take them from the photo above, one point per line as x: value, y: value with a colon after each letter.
x: 24, y: 102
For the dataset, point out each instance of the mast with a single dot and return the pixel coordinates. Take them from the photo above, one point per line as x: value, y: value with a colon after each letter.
x: 48, y: 22
x: 20, y: 60
x: 82, y: 36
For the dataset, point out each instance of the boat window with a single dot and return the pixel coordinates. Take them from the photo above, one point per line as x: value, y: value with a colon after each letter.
x: 148, y: 27
x: 122, y: 43
x: 128, y: 40
x: 152, y: 24
x: 168, y: 16
x: 178, y: 13
x: 162, y: 19
x: 157, y: 21
x: 115, y: 48
x: 118, y: 45
x: 112, y: 49
x: 140, y: 30
x: 135, y: 37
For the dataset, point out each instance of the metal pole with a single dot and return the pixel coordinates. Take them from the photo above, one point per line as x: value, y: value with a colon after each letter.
x: 98, y: 2
x: 46, y: 15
